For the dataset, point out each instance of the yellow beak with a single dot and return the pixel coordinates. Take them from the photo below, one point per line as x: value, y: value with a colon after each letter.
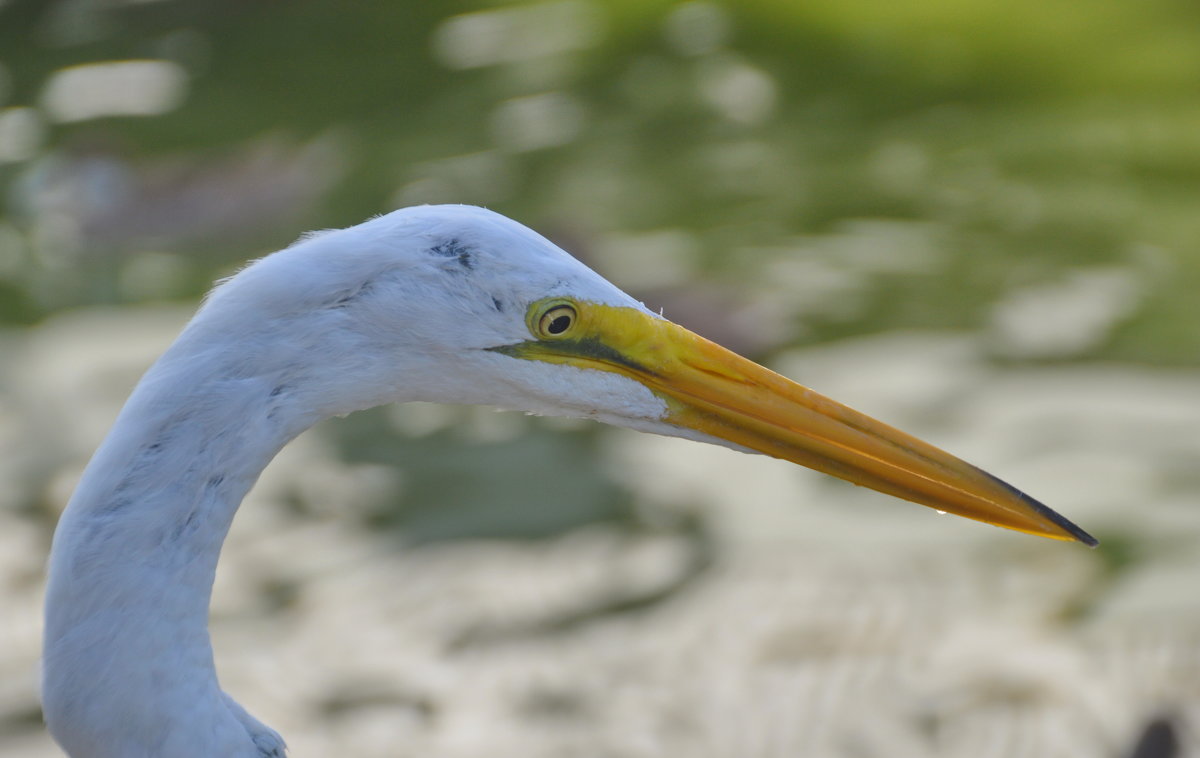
x: 721, y: 394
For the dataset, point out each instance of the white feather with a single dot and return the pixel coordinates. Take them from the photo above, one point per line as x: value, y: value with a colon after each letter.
x: 399, y: 308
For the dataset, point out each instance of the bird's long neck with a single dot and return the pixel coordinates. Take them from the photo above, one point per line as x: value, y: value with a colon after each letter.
x: 135, y: 553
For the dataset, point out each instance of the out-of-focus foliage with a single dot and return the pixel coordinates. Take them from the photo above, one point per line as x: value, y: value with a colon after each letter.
x: 845, y: 166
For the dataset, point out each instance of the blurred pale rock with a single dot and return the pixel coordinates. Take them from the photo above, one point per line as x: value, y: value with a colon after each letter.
x: 833, y: 623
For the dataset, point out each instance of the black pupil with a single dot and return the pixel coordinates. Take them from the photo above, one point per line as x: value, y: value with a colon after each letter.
x: 559, y: 324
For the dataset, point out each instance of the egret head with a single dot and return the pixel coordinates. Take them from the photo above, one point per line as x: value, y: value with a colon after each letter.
x: 449, y: 304
x: 458, y: 304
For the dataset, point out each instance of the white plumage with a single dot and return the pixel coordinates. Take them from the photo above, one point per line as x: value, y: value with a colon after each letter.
x: 341, y: 321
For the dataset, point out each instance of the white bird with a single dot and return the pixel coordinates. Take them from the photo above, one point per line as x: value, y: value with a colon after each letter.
x: 450, y: 304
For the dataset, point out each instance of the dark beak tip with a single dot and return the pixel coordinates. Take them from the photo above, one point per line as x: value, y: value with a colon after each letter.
x: 1084, y: 537
x: 1067, y: 526
x: 1062, y: 522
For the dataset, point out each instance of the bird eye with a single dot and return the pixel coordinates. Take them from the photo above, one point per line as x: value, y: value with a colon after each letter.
x: 556, y: 320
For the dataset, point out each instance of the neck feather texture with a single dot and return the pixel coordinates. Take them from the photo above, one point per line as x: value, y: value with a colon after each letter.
x: 128, y: 665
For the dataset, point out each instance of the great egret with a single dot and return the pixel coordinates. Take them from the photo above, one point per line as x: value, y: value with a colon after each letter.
x: 451, y: 304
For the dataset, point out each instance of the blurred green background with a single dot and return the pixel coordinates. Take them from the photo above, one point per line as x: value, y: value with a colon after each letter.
x: 973, y: 147
x: 788, y: 178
